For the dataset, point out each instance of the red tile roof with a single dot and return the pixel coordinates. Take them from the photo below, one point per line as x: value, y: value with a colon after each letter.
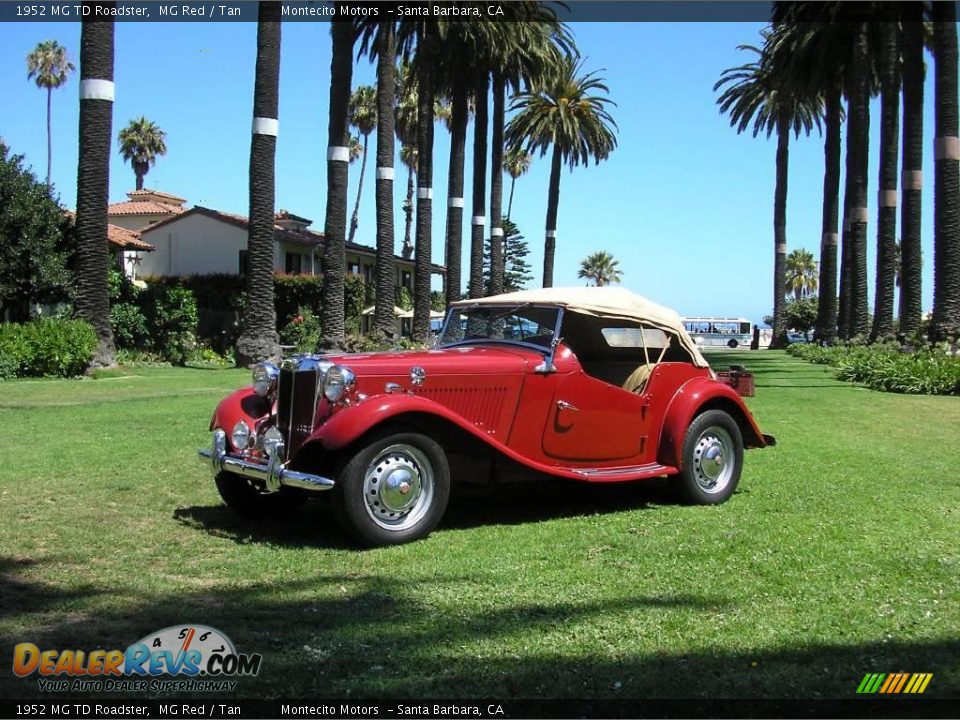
x: 143, y: 208
x: 146, y: 191
x: 121, y: 237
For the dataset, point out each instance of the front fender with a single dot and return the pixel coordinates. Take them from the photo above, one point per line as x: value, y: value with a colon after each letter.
x: 244, y: 404
x: 348, y: 424
x: 692, y: 398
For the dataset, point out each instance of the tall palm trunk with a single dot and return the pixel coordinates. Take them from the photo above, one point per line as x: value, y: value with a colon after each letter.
x: 827, y: 301
x: 458, y: 146
x: 553, y: 201
x: 496, y: 186
x: 384, y: 320
x: 911, y: 262
x: 338, y: 158
x: 858, y: 153
x: 355, y: 218
x: 259, y: 339
x: 421, y: 267
x: 49, y: 134
x: 780, y: 234
x: 93, y: 182
x: 887, y: 213
x: 408, y: 211
x: 946, y: 189
x: 513, y: 184
x: 479, y: 185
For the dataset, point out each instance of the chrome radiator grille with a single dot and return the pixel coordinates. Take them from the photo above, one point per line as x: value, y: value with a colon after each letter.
x: 298, y: 391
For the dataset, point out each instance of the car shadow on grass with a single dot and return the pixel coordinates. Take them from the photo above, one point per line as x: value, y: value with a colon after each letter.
x: 535, y: 501
x: 368, y: 634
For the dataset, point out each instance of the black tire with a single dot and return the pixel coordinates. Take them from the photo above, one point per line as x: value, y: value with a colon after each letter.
x: 371, y: 501
x: 710, y: 434
x: 249, y: 500
x: 733, y: 344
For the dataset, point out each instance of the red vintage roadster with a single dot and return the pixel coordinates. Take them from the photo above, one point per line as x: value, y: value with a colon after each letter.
x: 588, y: 384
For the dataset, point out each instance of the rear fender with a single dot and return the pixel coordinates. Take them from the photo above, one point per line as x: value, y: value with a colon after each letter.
x: 697, y: 396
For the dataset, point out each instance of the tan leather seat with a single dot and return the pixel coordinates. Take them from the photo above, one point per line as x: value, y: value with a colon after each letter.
x: 638, y: 379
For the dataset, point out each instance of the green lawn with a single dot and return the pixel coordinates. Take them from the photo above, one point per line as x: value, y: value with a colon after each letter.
x: 837, y: 557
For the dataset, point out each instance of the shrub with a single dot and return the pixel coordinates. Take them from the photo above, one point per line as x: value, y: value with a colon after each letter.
x: 928, y: 371
x: 293, y: 293
x: 171, y: 313
x: 129, y: 326
x: 303, y: 331
x: 46, y: 347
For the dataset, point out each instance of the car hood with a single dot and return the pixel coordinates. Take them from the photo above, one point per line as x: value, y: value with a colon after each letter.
x: 461, y: 360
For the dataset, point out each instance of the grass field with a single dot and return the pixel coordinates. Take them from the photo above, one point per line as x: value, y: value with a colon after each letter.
x: 838, y: 556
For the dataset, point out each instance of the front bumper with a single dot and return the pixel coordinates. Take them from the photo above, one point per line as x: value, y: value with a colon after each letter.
x: 273, y: 475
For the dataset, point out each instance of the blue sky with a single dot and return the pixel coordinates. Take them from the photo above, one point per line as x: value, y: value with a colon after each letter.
x: 684, y: 203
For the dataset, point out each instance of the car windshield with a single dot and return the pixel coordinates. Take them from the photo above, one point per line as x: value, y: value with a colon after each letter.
x: 525, y: 324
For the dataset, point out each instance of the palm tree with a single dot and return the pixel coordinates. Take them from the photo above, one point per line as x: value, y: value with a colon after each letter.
x: 761, y: 93
x: 363, y: 116
x: 410, y: 157
x: 802, y: 272
x: 338, y: 159
x: 496, y: 183
x: 379, y: 40
x: 258, y: 340
x: 946, y: 192
x: 888, y: 62
x: 48, y: 66
x: 854, y: 321
x: 406, y: 131
x: 568, y: 114
x: 601, y: 268
x: 516, y: 163
x: 481, y: 91
x: 815, y: 46
x: 93, y: 181
x: 141, y: 142
x: 911, y: 300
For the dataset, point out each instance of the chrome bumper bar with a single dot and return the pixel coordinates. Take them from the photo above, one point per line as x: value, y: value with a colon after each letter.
x: 273, y: 475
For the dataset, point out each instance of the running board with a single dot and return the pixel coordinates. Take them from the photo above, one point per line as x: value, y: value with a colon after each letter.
x: 633, y: 472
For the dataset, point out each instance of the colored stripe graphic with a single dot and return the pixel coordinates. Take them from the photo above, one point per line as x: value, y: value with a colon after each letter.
x: 894, y: 683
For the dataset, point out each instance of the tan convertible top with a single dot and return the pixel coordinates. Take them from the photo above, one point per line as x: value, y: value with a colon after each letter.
x: 603, y: 302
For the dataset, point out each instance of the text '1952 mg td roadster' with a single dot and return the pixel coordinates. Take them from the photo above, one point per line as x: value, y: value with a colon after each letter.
x: 591, y: 384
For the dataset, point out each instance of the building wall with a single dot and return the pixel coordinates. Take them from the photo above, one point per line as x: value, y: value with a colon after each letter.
x: 193, y: 245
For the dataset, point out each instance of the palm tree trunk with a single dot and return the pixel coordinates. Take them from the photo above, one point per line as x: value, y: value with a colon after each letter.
x: 259, y: 339
x: 779, y: 339
x: 887, y: 213
x: 827, y: 302
x: 138, y: 173
x: 49, y: 135
x: 946, y: 189
x: 355, y: 219
x: 513, y: 183
x: 384, y: 320
x: 479, y: 185
x: 421, y: 268
x: 859, y: 153
x: 496, y: 186
x: 93, y: 180
x: 911, y: 262
x: 458, y: 145
x: 408, y: 211
x: 553, y: 201
x: 338, y: 160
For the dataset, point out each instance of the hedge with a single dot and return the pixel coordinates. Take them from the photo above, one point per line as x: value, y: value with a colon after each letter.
x: 46, y: 347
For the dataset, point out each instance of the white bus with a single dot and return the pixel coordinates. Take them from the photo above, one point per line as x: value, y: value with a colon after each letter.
x: 719, y: 331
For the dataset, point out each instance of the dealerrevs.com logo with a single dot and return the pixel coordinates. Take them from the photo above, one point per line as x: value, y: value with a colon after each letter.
x: 200, y: 658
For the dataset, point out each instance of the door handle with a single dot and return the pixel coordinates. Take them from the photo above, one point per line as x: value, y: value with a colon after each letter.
x: 564, y: 405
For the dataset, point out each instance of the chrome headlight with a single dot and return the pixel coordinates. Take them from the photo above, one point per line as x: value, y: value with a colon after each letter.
x: 265, y: 376
x: 240, y: 435
x: 336, y: 382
